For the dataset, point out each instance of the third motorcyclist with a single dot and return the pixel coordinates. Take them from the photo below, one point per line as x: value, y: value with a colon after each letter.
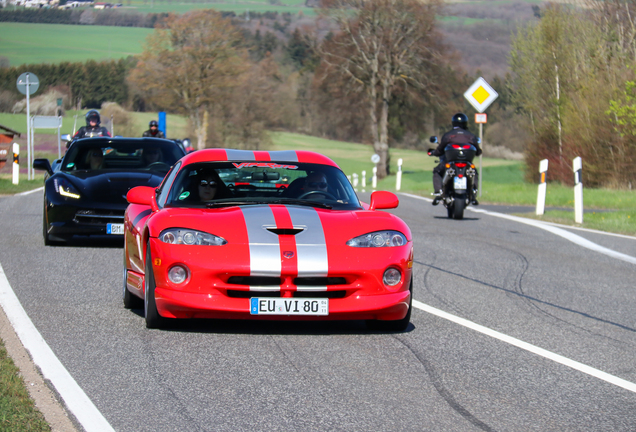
x: 459, y: 134
x: 153, y: 130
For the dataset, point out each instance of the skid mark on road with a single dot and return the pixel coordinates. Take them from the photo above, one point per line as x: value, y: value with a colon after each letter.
x: 554, y: 230
x: 436, y: 380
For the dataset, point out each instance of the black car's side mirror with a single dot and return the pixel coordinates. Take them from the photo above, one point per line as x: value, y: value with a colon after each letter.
x: 43, y: 165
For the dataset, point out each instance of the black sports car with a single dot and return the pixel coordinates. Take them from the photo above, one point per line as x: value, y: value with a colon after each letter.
x: 86, y: 193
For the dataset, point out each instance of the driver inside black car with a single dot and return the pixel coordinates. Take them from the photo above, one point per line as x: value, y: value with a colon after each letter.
x: 152, y: 155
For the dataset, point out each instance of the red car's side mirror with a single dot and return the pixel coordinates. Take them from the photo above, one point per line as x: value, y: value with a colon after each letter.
x: 143, y: 195
x: 383, y: 200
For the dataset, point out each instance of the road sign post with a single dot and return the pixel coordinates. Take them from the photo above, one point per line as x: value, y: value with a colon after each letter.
x: 28, y: 84
x: 480, y: 95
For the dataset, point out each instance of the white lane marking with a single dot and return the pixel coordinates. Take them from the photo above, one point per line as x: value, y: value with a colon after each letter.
x: 554, y: 230
x: 30, y: 192
x: 627, y: 385
x: 593, y: 231
x: 52, y: 369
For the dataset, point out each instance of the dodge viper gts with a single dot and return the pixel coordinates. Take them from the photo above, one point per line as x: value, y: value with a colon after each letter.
x: 282, y: 236
x: 86, y: 192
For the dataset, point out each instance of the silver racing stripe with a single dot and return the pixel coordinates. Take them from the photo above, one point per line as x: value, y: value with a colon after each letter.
x: 284, y: 156
x: 240, y: 155
x: 311, y: 247
x: 264, y: 245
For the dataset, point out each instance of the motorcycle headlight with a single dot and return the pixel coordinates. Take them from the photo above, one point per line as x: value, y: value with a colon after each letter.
x: 378, y: 239
x: 65, y: 188
x: 190, y: 237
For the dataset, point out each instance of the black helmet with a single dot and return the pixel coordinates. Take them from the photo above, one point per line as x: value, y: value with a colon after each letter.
x: 153, y: 123
x: 460, y: 120
x: 94, y: 116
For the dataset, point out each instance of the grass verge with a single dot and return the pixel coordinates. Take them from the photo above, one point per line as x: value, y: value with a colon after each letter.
x: 17, y: 410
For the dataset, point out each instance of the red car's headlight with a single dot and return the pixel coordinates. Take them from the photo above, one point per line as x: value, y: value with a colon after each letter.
x: 190, y: 237
x: 378, y: 239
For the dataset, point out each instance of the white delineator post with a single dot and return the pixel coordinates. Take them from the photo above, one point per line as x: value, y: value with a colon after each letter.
x: 355, y: 181
x: 374, y: 179
x: 543, y: 169
x: 364, y: 180
x: 577, y: 167
x: 16, y: 163
x: 398, y: 177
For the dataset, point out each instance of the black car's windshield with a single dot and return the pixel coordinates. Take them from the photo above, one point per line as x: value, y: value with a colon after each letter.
x: 220, y: 184
x: 121, y: 154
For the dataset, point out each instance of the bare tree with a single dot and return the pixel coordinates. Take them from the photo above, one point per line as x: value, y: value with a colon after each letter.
x: 187, y: 62
x: 383, y: 44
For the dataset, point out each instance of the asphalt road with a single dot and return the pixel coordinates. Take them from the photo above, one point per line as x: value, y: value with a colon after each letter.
x: 516, y: 279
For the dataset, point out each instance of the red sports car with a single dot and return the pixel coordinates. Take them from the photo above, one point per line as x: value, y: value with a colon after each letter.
x: 265, y: 235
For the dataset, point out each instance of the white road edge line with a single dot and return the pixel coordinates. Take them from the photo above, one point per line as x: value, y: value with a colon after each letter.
x: 30, y: 192
x: 52, y: 369
x: 627, y: 385
x: 554, y: 230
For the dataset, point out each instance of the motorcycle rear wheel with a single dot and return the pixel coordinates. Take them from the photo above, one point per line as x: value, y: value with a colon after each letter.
x: 459, y: 204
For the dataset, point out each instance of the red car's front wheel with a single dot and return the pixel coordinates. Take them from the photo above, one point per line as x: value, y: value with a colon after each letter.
x: 153, y: 319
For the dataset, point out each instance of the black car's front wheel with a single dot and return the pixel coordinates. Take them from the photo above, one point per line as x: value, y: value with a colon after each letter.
x: 153, y: 319
x: 48, y: 240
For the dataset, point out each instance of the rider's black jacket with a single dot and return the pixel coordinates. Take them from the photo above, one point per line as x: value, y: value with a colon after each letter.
x: 456, y: 136
x: 88, y: 131
x: 157, y: 134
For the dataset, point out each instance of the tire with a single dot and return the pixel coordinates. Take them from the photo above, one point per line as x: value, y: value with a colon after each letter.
x: 131, y: 301
x: 153, y: 319
x: 48, y: 241
x: 396, y: 325
x: 459, y: 205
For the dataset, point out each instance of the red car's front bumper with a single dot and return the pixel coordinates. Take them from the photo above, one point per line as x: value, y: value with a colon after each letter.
x: 354, y: 284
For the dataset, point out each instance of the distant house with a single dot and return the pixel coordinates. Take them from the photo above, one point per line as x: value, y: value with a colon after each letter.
x: 102, y: 5
x: 76, y: 3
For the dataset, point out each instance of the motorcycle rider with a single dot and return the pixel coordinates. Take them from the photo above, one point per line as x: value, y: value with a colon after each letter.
x: 154, y: 130
x: 92, y: 128
x: 459, y: 134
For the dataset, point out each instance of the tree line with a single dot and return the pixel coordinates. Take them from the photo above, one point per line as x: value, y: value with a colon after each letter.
x: 573, y: 83
x: 88, y: 84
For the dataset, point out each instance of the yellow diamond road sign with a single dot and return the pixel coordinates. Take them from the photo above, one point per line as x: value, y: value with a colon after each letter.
x: 480, y: 95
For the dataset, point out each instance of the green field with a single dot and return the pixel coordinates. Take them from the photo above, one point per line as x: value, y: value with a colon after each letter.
x: 239, y: 8
x: 53, y: 43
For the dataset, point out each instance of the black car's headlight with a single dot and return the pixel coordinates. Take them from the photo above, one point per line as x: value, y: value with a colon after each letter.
x: 190, y: 237
x: 65, y: 188
x: 378, y: 239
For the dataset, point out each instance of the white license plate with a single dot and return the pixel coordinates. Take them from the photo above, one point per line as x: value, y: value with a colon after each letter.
x: 114, y: 228
x: 459, y: 183
x: 289, y: 306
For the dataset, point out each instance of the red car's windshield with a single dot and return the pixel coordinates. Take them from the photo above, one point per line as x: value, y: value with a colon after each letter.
x: 247, y: 182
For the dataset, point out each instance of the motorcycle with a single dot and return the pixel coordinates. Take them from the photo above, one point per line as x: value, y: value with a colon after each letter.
x: 458, y: 181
